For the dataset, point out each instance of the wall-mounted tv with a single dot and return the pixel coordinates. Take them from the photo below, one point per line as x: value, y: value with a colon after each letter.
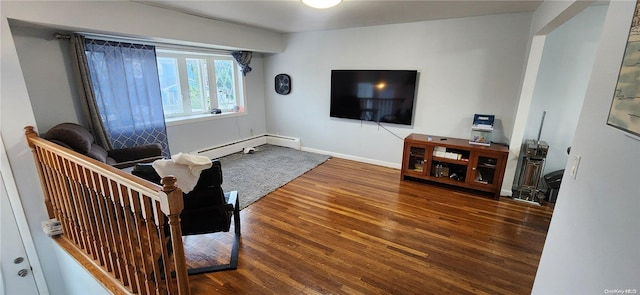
x: 373, y: 95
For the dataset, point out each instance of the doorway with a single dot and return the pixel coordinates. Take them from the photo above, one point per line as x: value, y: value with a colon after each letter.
x: 565, y: 68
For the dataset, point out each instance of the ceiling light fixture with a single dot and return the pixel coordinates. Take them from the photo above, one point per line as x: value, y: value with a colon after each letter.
x: 321, y: 4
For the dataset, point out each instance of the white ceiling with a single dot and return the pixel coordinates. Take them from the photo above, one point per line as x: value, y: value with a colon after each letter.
x: 291, y: 16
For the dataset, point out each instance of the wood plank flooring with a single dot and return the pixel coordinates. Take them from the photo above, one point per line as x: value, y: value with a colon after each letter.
x: 347, y: 227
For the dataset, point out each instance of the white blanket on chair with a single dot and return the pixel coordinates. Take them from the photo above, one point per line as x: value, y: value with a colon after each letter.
x: 184, y: 167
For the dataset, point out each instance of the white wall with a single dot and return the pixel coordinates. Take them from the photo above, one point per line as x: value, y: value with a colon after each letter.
x: 551, y: 14
x: 47, y: 72
x: 567, y: 60
x: 16, y: 108
x: 466, y: 66
x: 15, y: 113
x: 592, y: 243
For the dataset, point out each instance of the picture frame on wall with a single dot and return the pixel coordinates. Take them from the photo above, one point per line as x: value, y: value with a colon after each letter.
x: 624, y: 113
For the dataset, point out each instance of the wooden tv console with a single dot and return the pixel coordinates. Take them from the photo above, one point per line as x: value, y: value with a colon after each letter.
x: 454, y: 161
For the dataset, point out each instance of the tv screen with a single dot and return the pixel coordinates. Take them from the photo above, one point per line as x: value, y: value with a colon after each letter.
x: 373, y: 95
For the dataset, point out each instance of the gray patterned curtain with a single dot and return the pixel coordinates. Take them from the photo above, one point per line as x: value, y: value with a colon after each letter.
x: 244, y: 59
x: 126, y: 93
x: 85, y: 88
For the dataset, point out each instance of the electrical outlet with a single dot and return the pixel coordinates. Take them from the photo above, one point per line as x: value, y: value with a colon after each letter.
x: 574, y: 165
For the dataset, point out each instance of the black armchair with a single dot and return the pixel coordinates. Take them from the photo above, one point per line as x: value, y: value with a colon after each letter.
x: 79, y: 139
x: 207, y: 209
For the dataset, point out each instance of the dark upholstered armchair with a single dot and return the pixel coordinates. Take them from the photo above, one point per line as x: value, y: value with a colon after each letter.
x: 79, y: 139
x: 207, y: 209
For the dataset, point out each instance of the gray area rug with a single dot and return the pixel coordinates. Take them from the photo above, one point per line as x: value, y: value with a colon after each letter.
x: 268, y: 168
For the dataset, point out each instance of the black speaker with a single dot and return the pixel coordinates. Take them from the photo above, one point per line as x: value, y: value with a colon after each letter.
x: 283, y: 84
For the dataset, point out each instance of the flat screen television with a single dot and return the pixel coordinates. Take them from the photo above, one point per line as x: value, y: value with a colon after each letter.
x: 373, y: 95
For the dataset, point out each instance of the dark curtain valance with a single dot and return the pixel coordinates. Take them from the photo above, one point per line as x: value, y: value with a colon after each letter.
x: 244, y: 59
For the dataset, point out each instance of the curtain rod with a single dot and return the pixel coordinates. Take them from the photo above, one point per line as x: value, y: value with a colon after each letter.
x: 61, y: 36
x: 162, y: 45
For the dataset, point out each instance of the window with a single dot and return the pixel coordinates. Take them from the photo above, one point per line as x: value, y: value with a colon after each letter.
x: 194, y: 83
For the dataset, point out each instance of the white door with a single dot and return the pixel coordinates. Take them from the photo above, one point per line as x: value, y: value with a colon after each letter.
x: 17, y: 277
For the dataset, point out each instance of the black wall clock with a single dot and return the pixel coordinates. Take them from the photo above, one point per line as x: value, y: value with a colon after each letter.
x: 283, y: 84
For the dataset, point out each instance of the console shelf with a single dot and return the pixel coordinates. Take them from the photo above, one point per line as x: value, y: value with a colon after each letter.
x: 454, y: 161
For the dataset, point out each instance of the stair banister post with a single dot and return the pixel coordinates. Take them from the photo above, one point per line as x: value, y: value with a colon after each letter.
x: 30, y: 133
x: 174, y: 205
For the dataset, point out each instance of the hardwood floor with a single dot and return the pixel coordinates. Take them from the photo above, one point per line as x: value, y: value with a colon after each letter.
x: 352, y: 228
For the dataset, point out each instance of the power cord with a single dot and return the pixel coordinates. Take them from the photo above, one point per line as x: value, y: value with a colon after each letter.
x: 380, y: 125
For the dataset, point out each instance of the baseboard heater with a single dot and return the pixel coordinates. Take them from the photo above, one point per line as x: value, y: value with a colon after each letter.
x: 285, y: 141
x: 237, y: 146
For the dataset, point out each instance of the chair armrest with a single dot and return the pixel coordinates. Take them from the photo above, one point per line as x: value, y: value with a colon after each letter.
x: 146, y: 171
x: 136, y: 153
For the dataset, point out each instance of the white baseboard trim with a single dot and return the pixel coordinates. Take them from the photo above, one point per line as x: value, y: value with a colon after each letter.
x: 353, y: 158
x: 503, y: 192
x: 222, y: 150
x: 507, y: 193
x: 293, y: 142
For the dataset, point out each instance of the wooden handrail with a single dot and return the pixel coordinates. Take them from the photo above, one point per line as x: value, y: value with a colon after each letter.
x: 113, y: 221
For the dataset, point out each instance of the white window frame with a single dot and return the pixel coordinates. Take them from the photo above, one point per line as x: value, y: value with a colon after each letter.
x: 188, y: 115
